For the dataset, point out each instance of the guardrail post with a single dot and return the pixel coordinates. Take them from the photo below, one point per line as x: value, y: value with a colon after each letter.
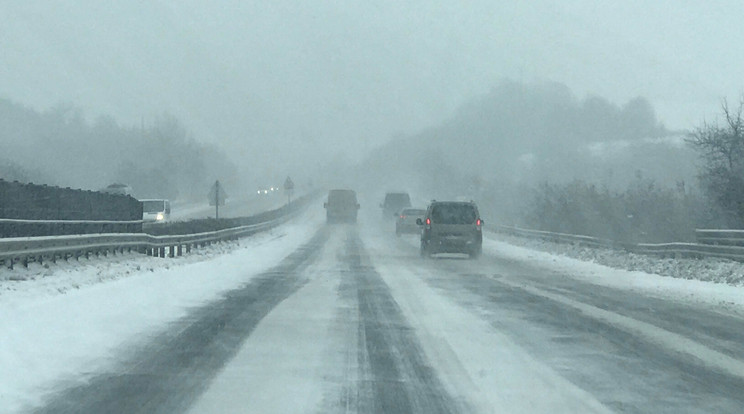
x: 180, y: 249
x: 171, y: 251
x: 188, y: 248
x: 162, y: 251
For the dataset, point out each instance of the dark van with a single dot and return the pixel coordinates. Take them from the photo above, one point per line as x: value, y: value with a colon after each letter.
x: 394, y: 203
x: 451, y: 227
x: 341, y: 207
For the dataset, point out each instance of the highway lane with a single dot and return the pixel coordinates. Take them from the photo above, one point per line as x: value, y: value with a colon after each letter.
x: 341, y: 344
x: 633, y: 352
x: 356, y: 321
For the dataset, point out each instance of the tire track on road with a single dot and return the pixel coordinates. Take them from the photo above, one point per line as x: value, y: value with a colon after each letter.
x: 645, y: 361
x: 395, y: 375
x: 169, y: 373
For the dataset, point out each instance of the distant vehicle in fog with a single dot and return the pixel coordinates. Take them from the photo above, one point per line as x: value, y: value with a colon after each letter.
x: 406, y: 221
x: 451, y: 227
x: 156, y: 209
x: 117, y: 188
x: 341, y: 206
x: 394, y: 203
x: 267, y: 191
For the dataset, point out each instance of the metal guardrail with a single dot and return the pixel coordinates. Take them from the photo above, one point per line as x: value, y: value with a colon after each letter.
x: 24, y: 221
x: 727, y: 244
x: 693, y: 250
x: 51, y: 248
x: 720, y: 237
x: 555, y: 237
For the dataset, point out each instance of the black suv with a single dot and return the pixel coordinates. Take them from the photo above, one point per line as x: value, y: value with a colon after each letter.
x: 451, y: 227
x: 394, y: 203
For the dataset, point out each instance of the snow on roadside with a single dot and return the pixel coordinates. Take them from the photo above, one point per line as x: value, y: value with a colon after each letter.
x: 50, y: 279
x: 716, y: 282
x: 707, y: 269
x: 66, y: 324
x: 21, y: 283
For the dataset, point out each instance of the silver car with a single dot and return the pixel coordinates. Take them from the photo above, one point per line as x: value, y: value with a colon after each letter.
x: 406, y: 221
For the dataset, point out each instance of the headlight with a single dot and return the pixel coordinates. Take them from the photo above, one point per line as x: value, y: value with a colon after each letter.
x: 159, y: 216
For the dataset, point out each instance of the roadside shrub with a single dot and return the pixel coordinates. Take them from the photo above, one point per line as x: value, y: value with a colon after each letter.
x: 644, y: 212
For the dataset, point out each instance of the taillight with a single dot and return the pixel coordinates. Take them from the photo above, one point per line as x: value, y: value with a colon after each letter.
x: 402, y: 216
x: 478, y: 222
x: 428, y: 221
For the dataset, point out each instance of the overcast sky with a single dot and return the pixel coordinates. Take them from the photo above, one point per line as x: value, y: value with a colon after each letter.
x: 301, y: 81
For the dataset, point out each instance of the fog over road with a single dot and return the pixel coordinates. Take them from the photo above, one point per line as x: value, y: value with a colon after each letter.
x: 355, y: 321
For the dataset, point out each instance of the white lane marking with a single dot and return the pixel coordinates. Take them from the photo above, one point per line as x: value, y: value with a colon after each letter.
x: 673, y: 342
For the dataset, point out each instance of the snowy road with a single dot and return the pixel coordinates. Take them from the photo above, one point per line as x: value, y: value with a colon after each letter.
x: 353, y: 320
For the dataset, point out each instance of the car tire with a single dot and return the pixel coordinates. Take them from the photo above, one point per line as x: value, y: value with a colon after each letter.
x: 475, y: 253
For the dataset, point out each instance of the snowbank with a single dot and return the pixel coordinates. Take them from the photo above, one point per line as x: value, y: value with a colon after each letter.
x: 710, y: 281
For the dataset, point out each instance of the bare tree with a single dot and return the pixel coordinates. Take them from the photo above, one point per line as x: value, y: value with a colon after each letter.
x: 722, y: 150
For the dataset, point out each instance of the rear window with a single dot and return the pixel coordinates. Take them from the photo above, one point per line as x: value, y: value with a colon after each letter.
x: 342, y: 196
x: 413, y: 212
x: 397, y: 199
x: 453, y: 214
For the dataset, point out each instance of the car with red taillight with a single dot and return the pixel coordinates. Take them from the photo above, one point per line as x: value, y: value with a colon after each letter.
x: 394, y: 203
x: 406, y: 221
x: 451, y: 227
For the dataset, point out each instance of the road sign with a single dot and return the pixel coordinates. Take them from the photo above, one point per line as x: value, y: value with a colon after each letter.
x: 288, y: 188
x: 217, y: 194
x: 217, y: 197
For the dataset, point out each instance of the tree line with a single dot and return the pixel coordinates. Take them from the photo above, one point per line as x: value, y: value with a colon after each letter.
x: 60, y: 147
x: 647, y: 211
x: 533, y: 155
